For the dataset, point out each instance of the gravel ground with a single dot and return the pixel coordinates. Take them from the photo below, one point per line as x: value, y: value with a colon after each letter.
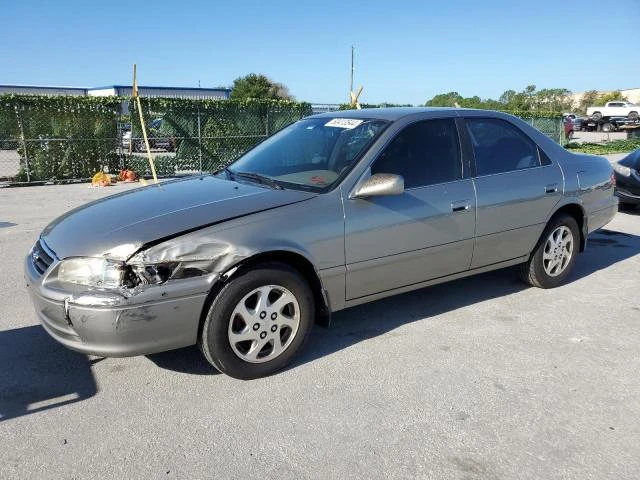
x: 481, y: 378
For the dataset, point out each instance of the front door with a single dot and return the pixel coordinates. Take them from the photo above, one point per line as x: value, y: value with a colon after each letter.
x: 425, y: 233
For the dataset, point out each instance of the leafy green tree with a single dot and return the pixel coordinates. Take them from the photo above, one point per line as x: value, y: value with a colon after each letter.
x: 529, y: 99
x: 589, y: 99
x: 257, y: 85
x: 553, y: 100
x: 610, y: 97
x: 444, y: 100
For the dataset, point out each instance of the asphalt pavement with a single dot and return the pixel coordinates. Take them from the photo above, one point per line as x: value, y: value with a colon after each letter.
x: 480, y: 378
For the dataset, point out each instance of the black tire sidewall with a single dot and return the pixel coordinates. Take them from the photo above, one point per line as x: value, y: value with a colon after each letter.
x: 545, y: 280
x: 215, y: 341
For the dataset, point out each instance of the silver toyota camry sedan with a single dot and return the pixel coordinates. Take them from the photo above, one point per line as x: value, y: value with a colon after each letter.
x: 333, y: 211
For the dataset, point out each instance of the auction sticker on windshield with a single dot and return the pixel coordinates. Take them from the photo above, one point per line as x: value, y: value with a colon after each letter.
x: 343, y: 123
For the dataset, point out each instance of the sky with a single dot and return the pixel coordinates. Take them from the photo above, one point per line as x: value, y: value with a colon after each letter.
x: 406, y: 51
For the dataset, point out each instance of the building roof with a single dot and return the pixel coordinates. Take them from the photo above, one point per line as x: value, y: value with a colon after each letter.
x: 202, y: 89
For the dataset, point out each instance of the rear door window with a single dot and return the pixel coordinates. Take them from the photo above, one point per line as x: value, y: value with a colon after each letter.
x: 499, y: 146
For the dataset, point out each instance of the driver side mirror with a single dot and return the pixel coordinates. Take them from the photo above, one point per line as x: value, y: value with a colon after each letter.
x: 380, y: 185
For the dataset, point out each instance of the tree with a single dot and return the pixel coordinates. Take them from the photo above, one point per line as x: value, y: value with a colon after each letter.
x: 257, y: 85
x: 553, y: 100
x: 529, y: 99
x: 444, y: 100
x: 610, y: 97
x: 589, y: 99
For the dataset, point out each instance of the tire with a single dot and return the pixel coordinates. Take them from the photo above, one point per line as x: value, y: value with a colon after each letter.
x: 607, y: 127
x: 626, y: 206
x: 239, y: 339
x: 541, y: 272
x: 633, y: 115
x: 596, y: 116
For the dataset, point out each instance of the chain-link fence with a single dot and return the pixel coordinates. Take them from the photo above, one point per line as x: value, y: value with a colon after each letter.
x: 66, y: 138
x: 71, y: 138
x: 551, y: 125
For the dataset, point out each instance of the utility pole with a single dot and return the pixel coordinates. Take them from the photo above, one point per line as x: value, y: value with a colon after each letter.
x: 351, y: 84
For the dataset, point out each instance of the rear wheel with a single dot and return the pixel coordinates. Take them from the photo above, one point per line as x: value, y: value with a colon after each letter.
x: 626, y: 206
x: 555, y: 254
x: 607, y: 127
x: 258, y: 322
x: 596, y: 116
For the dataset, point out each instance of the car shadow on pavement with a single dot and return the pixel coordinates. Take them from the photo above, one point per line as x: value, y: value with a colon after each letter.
x: 184, y: 360
x: 37, y: 373
x: 604, y: 249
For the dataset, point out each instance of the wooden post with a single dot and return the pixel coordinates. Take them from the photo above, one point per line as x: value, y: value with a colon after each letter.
x: 144, y: 127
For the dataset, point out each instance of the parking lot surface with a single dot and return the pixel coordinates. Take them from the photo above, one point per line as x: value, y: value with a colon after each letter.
x: 481, y: 378
x: 597, y: 137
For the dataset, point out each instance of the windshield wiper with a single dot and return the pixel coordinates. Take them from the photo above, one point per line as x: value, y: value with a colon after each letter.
x: 228, y: 173
x: 259, y: 177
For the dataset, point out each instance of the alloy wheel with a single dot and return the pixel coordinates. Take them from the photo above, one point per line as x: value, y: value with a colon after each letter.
x: 264, y: 323
x: 558, y: 251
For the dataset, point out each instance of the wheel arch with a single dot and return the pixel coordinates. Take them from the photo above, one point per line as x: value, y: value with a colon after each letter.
x: 295, y: 260
x: 577, y: 212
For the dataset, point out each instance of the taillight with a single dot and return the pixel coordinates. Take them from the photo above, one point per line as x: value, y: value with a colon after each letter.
x: 613, y: 179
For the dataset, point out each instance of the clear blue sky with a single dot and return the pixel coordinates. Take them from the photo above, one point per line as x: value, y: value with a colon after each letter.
x: 406, y: 51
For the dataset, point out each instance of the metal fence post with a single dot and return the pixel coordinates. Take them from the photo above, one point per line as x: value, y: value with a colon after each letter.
x: 267, y: 127
x: 24, y: 144
x: 199, y: 140
x: 119, y: 133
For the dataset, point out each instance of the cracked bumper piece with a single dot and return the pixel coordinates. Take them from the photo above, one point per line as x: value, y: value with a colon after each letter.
x: 108, y: 324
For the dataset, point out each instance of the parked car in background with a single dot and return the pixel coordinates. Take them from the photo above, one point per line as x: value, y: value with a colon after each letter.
x: 158, y: 140
x: 627, y: 172
x: 168, y: 144
x: 575, y: 121
x: 336, y: 210
x: 126, y: 139
x: 615, y: 109
x: 568, y: 127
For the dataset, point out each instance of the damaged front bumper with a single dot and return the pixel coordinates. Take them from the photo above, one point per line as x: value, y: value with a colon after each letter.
x: 123, y: 322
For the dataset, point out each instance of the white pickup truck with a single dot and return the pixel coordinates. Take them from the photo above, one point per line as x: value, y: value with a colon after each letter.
x: 614, y: 109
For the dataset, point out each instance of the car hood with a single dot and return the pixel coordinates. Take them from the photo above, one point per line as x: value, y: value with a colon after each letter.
x: 121, y: 224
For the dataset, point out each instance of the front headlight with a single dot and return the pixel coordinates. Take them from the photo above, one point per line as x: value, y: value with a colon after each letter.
x: 622, y: 170
x: 93, y: 272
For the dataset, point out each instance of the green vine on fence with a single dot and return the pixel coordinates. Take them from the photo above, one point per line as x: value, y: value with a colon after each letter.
x: 64, y: 137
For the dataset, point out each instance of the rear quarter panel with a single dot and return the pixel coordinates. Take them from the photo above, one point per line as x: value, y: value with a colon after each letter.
x: 588, y: 182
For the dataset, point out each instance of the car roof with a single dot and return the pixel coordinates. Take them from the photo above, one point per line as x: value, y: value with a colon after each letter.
x: 387, y: 113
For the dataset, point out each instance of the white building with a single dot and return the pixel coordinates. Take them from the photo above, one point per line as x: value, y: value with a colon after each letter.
x: 121, y: 90
x: 42, y: 90
x: 165, y: 92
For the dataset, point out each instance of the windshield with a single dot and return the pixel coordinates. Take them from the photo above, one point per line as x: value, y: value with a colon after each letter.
x: 312, y: 154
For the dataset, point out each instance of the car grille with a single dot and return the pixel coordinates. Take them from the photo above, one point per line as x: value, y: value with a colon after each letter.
x: 41, y: 257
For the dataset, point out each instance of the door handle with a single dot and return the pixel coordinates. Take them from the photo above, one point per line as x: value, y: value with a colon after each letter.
x: 551, y: 188
x: 460, y: 206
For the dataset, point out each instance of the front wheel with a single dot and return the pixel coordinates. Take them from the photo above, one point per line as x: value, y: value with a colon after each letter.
x: 258, y: 322
x: 555, y: 254
x: 633, y: 115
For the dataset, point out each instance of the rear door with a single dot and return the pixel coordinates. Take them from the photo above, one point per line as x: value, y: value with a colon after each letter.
x: 426, y: 232
x: 517, y: 187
